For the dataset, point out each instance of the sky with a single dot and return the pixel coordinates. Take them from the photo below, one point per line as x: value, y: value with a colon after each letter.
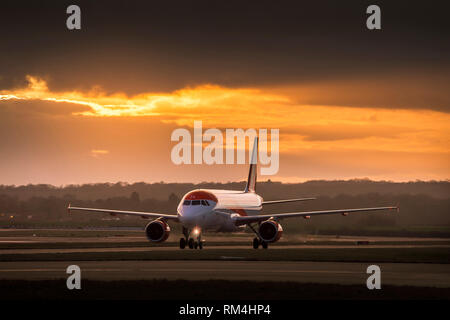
x: 100, y: 104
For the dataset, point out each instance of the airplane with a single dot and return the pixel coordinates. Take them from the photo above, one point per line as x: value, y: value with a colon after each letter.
x: 224, y: 211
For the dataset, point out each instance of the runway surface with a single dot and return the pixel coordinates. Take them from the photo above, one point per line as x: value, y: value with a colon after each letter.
x: 414, y: 274
x: 131, y: 257
x: 18, y: 236
x: 173, y: 248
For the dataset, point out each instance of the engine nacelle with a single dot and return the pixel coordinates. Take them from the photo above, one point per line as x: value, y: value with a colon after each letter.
x: 270, y: 231
x: 157, y: 231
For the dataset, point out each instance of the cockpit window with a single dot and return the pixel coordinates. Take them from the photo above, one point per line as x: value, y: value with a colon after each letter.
x: 196, y: 203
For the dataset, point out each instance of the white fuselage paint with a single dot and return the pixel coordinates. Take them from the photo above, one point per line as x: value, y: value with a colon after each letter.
x: 222, y: 206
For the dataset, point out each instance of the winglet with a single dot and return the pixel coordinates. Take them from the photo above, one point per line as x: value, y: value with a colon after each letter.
x: 396, y: 208
x: 68, y: 208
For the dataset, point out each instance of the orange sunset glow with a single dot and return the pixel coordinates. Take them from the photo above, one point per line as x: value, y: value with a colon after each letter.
x: 379, y: 137
x: 99, y: 104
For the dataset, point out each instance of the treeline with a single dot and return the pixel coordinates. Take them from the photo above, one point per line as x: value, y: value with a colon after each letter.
x: 51, y: 209
x: 268, y: 189
x: 424, y: 206
x: 421, y: 211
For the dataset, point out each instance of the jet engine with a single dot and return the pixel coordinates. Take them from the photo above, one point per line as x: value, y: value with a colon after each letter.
x: 270, y: 231
x: 157, y: 231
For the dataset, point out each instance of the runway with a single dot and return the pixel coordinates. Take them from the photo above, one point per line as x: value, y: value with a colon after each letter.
x: 412, y: 274
x: 207, y: 248
x: 117, y: 236
x: 45, y: 254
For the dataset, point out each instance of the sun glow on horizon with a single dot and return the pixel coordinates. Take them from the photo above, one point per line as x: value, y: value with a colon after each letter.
x: 304, y: 129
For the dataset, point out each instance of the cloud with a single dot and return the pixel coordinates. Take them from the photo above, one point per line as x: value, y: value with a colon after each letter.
x: 310, y: 126
x: 40, y: 107
x: 355, y: 131
x: 96, y: 153
x: 426, y: 90
x: 310, y: 69
x: 234, y: 45
x: 185, y: 103
x: 315, y: 141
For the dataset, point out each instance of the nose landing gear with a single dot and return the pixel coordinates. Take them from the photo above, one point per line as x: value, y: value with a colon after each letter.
x: 192, y: 239
x: 191, y: 243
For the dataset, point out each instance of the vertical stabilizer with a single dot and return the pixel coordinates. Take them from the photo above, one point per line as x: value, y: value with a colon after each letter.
x: 251, y: 182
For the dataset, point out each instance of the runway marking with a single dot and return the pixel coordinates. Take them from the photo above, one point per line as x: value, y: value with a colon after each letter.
x: 429, y: 275
x: 62, y: 270
x: 255, y: 271
x: 30, y: 270
x: 178, y: 270
x: 18, y: 241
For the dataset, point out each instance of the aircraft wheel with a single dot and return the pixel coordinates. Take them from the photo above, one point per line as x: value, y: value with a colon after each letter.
x: 200, y: 245
x: 191, y: 243
x: 265, y: 245
x: 195, y: 245
x: 255, y: 243
x: 182, y: 243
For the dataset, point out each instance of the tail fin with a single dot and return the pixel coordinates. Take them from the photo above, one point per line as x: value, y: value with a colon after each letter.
x: 251, y: 182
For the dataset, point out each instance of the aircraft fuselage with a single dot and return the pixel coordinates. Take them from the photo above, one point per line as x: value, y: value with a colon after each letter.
x: 210, y: 209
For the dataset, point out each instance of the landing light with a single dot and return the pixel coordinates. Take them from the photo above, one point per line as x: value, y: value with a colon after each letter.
x: 196, y: 231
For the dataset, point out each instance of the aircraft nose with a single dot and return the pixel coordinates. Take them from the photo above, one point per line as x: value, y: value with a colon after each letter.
x: 191, y: 215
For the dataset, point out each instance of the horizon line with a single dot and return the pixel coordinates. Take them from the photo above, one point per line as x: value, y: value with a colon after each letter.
x: 218, y: 182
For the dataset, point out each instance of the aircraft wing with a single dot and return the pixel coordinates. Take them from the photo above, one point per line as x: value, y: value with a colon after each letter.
x: 130, y: 213
x: 287, y: 200
x: 240, y: 220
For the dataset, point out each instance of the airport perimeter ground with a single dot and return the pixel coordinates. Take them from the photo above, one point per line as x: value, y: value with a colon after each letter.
x: 124, y: 265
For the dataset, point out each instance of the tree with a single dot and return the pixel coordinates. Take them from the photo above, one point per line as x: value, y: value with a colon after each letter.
x: 135, y: 199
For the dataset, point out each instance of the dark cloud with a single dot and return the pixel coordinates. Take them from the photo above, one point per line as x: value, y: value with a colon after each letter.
x: 427, y: 90
x: 346, y: 132
x: 39, y: 107
x: 141, y: 46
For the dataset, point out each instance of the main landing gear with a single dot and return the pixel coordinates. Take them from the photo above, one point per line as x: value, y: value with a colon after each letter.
x: 192, y: 239
x: 182, y: 243
x: 258, y: 241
